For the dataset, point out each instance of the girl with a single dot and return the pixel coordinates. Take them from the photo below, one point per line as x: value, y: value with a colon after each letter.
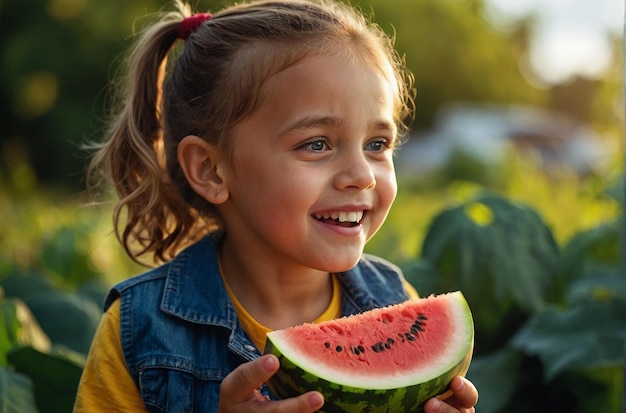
x: 254, y: 173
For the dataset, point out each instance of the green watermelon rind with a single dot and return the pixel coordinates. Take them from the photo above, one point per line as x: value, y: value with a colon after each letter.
x: 291, y: 381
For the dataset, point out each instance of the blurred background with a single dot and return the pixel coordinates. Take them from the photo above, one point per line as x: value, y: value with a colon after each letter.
x: 511, y: 189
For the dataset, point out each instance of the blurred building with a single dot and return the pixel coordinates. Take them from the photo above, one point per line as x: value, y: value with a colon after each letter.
x: 485, y: 132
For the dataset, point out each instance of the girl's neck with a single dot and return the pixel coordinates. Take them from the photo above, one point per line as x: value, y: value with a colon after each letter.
x: 276, y: 297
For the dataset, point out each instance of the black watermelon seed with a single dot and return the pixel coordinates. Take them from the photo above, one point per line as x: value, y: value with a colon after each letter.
x: 375, y: 348
x: 391, y: 340
x: 422, y: 317
x: 410, y: 337
x: 414, y: 330
x: 356, y: 350
x: 387, y: 346
x: 361, y: 348
x: 338, y: 349
x: 420, y: 327
x: 327, y: 344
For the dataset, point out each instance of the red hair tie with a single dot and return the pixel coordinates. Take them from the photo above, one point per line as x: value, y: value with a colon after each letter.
x: 189, y: 24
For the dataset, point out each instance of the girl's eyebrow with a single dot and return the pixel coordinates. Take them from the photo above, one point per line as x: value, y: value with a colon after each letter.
x: 310, y: 122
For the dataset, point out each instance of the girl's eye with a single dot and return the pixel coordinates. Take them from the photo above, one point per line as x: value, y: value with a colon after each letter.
x: 316, y: 145
x: 378, y: 145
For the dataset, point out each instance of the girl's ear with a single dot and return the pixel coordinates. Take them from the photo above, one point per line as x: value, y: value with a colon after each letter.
x: 199, y: 162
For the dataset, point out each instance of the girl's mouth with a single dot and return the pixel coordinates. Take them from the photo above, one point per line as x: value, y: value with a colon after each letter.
x: 340, y: 218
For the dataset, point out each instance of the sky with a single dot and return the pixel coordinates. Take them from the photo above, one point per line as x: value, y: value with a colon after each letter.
x: 571, y: 37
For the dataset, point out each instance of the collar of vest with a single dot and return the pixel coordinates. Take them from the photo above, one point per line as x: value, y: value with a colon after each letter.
x: 194, y: 290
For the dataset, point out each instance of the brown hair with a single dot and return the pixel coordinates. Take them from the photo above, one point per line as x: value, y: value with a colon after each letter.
x: 215, y: 81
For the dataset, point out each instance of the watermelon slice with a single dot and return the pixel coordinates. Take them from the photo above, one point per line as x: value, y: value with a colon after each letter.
x: 391, y: 359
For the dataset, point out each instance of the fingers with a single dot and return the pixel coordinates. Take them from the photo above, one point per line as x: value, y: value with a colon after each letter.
x: 465, y: 392
x: 437, y: 406
x: 463, y: 399
x: 238, y: 391
x: 305, y: 403
x: 241, y: 383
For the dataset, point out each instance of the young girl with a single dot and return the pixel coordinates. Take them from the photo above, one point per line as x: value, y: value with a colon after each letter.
x: 254, y: 168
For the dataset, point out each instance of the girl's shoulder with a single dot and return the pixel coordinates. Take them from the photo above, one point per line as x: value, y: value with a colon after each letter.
x: 195, y: 259
x: 152, y: 279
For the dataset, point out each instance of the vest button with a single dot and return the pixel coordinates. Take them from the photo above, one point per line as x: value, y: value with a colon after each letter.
x: 249, y: 347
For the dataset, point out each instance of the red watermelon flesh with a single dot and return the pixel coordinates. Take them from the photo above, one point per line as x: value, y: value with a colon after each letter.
x: 387, y: 359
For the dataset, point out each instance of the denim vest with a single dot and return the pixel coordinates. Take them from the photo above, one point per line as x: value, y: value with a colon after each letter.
x: 180, y: 335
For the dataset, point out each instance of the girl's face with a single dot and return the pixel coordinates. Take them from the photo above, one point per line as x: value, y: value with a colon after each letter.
x: 311, y: 178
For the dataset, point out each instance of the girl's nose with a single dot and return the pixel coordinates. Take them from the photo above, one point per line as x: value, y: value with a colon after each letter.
x: 355, y: 171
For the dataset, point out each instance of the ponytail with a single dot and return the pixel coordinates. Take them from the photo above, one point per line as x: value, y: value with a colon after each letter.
x: 150, y: 216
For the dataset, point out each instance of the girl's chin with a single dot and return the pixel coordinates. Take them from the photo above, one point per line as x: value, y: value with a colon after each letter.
x: 343, y: 265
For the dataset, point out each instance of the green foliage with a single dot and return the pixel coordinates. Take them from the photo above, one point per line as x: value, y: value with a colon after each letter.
x: 52, y: 284
x: 586, y: 335
x: 550, y: 321
x: 40, y: 381
x: 18, y: 327
x: 496, y: 376
x: 55, y: 375
x: 455, y: 54
x: 35, y: 376
x: 493, y: 245
x: 16, y: 392
x: 67, y: 318
x: 596, y: 248
x: 501, y: 255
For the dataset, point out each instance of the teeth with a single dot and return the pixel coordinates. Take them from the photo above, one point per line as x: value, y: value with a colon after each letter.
x: 342, y: 216
x: 347, y: 216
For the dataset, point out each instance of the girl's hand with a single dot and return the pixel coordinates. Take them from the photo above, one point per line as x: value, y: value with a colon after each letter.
x: 463, y: 399
x: 239, y: 391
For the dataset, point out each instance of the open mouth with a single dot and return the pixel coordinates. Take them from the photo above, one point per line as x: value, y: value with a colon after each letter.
x: 341, y: 218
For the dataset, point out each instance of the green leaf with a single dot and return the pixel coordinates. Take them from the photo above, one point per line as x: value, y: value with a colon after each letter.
x: 503, y: 258
x: 21, y: 284
x: 18, y: 327
x: 16, y: 393
x: 95, y: 289
x: 60, y: 254
x: 598, y: 246
x: 67, y: 318
x: 498, y: 375
x: 55, y: 375
x: 9, y: 326
x: 492, y: 246
x: 600, y: 284
x: 616, y: 189
x: 587, y: 335
x: 422, y: 275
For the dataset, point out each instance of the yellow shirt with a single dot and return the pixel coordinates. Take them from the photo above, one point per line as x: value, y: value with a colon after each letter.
x: 106, y: 384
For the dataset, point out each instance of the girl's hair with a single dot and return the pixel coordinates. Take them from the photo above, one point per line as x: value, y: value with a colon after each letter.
x: 214, y: 83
